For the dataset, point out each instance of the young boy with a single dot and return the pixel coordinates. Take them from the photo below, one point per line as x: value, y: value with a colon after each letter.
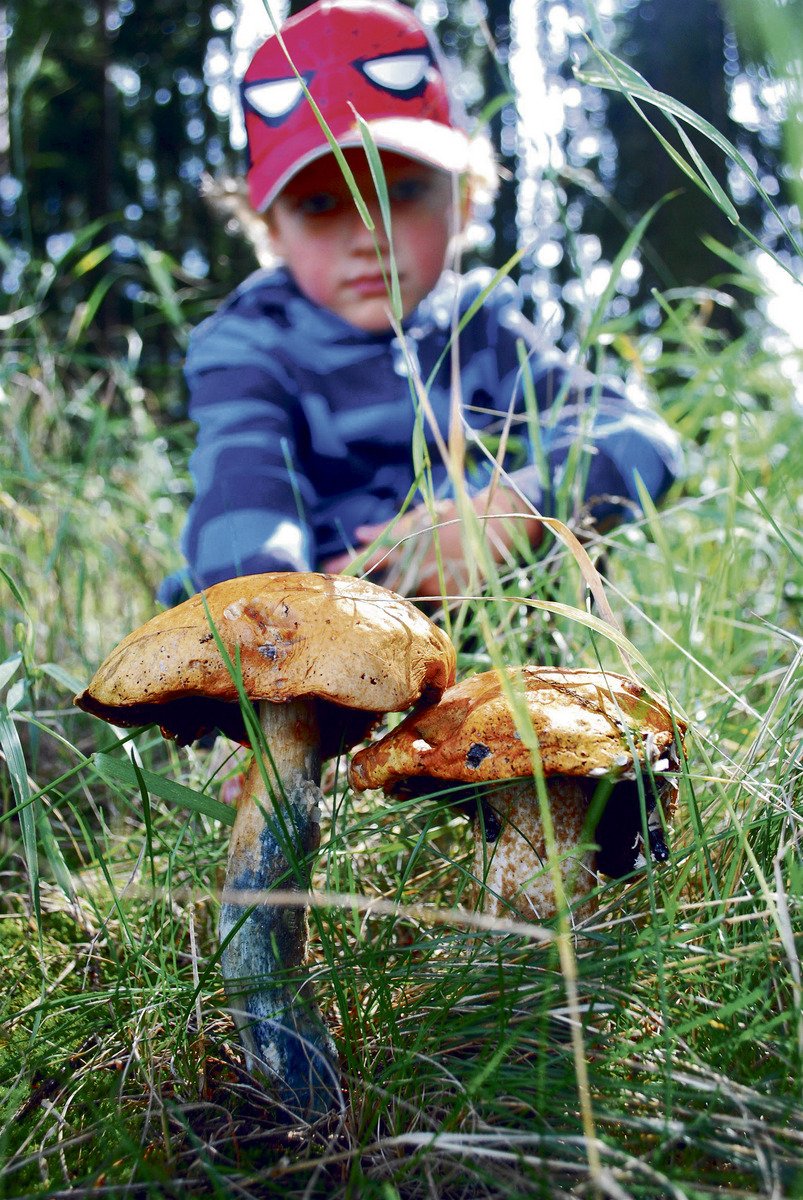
x: 305, y: 389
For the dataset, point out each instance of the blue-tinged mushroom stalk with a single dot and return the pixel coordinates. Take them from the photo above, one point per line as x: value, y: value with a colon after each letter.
x: 276, y: 834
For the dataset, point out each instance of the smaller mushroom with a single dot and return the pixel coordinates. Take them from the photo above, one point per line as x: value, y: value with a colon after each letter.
x: 321, y: 656
x: 591, y: 726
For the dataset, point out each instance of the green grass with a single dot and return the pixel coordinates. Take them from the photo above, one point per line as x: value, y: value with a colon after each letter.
x: 119, y: 1066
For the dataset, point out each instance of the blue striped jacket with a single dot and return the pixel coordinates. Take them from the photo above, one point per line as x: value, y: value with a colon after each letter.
x: 306, y: 424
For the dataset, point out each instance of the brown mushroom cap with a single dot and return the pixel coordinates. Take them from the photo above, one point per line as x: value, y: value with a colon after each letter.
x: 347, y: 643
x: 585, y: 721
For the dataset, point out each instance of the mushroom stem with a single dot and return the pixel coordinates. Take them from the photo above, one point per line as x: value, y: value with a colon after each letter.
x: 510, y: 852
x: 265, y: 945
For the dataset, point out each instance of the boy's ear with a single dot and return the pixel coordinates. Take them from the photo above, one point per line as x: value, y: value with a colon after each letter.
x: 272, y: 227
x: 274, y: 245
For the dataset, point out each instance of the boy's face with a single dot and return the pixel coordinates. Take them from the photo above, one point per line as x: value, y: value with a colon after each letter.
x: 317, y: 231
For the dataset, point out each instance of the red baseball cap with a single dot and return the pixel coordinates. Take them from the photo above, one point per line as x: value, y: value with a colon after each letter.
x: 372, y: 58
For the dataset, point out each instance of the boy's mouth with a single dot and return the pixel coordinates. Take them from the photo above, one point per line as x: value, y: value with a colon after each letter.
x: 369, y: 285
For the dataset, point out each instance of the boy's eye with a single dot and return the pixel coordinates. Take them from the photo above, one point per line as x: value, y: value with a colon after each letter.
x: 317, y: 204
x: 406, y: 191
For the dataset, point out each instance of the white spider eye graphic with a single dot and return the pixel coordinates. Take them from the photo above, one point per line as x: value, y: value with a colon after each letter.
x: 397, y: 72
x: 274, y: 99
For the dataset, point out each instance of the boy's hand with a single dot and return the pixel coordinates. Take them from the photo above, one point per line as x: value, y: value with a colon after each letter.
x: 409, y: 559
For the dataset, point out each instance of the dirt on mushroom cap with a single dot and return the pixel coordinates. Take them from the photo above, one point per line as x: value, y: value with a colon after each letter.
x: 342, y: 641
x: 587, y: 723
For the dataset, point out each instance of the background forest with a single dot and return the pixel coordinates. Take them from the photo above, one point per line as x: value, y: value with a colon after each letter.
x: 653, y: 183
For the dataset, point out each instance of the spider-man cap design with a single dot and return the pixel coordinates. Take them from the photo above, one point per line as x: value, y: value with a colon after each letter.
x: 370, y: 57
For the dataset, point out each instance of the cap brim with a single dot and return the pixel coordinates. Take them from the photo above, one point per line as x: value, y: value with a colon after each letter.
x: 430, y: 142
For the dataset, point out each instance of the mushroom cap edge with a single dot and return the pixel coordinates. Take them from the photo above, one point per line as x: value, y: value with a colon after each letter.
x: 344, y: 642
x: 586, y: 723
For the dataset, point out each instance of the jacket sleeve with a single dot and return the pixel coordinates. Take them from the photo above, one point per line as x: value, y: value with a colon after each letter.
x: 593, y: 438
x: 248, y: 514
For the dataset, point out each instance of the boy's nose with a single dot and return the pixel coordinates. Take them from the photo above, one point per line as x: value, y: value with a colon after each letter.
x: 364, y: 237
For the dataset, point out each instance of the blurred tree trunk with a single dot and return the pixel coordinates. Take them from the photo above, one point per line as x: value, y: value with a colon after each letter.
x: 100, y: 201
x: 496, y: 81
x: 679, y: 49
x: 5, y: 133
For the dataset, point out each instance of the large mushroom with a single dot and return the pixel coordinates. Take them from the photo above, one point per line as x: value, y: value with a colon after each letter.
x: 321, y: 657
x: 598, y: 733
